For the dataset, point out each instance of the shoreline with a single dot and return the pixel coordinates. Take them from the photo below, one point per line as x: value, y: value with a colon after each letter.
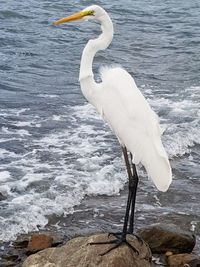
x: 16, y: 251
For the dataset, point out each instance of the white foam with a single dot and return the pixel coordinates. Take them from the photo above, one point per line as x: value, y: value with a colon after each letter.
x: 14, y: 111
x: 64, y: 166
x: 48, y: 96
x: 56, y: 118
x: 181, y: 126
x: 5, y: 130
x: 67, y: 178
x: 20, y: 132
x: 181, y: 140
x: 5, y: 153
x: 108, y: 180
x: 22, y: 123
x: 6, y: 190
x: 4, y: 176
x: 23, y: 132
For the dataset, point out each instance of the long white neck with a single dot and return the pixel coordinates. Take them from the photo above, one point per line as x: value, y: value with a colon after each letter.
x: 93, y: 46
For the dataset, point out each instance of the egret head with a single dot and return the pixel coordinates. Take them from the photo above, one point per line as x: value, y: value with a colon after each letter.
x: 91, y: 12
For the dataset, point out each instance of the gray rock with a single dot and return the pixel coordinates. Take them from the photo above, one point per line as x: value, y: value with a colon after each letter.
x: 167, y: 237
x: 8, y: 264
x: 78, y: 253
x: 8, y: 260
x: 21, y: 241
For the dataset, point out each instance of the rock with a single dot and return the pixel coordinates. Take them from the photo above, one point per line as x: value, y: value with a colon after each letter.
x: 9, y: 260
x: 184, y: 260
x: 21, y: 241
x: 58, y: 239
x: 168, y: 253
x: 10, y: 257
x: 164, y: 238
x: 15, y: 252
x: 39, y: 242
x: 78, y: 252
x: 8, y: 264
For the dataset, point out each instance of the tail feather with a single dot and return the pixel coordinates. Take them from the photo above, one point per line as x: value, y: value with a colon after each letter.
x: 159, y: 171
x: 156, y: 163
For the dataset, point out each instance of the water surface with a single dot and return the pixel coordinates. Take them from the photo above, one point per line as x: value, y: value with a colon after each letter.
x: 61, y: 167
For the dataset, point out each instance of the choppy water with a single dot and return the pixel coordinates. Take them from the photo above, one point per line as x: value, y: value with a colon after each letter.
x: 56, y: 154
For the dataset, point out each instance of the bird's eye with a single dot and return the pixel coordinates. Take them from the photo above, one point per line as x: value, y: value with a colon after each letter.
x: 90, y: 13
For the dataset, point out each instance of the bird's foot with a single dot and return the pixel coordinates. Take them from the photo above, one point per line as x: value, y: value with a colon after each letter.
x: 117, y: 234
x: 120, y: 240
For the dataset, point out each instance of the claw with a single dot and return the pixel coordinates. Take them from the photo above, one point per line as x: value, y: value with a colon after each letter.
x: 110, y: 249
x: 120, y: 239
x: 118, y: 234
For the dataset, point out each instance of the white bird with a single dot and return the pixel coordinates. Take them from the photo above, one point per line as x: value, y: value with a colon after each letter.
x: 127, y: 112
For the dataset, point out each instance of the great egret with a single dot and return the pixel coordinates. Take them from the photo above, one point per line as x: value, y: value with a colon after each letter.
x: 124, y: 108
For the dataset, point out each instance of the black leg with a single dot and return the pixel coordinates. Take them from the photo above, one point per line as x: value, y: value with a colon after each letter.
x: 134, y: 190
x: 130, y: 207
x: 132, y: 214
x: 130, y: 191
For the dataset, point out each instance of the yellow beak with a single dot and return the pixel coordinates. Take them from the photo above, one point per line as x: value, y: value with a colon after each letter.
x: 75, y: 16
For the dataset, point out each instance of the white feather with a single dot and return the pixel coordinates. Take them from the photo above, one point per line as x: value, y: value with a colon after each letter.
x: 125, y: 109
x: 135, y: 124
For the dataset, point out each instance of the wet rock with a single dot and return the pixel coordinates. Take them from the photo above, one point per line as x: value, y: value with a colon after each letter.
x: 167, y: 237
x: 9, y: 260
x: 19, y: 247
x: 184, y: 260
x: 21, y: 241
x: 10, y: 257
x: 57, y: 238
x: 8, y: 264
x: 39, y: 242
x: 78, y: 252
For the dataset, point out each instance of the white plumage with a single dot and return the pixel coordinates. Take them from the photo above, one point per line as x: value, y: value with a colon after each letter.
x: 124, y: 108
x: 122, y: 105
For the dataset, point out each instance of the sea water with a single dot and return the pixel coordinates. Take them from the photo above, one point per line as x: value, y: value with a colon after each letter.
x: 60, y: 165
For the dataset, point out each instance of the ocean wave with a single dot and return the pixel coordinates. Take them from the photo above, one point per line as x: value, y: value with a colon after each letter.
x: 78, y: 162
x: 63, y: 166
x: 5, y: 112
x: 180, y: 121
x: 180, y: 139
x: 4, y: 176
x: 19, y: 132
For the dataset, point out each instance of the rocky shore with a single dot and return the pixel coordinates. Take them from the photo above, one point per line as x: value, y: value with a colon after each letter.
x: 164, y: 245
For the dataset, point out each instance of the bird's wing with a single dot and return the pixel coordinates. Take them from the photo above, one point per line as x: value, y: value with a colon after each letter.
x: 137, y: 109
x: 135, y: 123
